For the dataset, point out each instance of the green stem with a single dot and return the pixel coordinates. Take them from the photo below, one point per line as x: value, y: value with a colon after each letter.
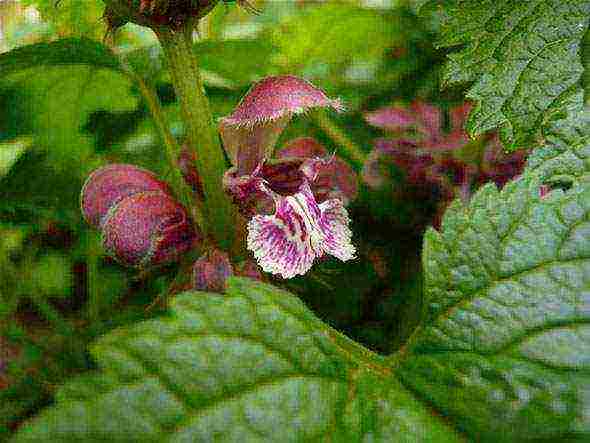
x: 53, y: 316
x: 202, y: 134
x: 173, y: 150
x: 94, y: 296
x: 350, y: 149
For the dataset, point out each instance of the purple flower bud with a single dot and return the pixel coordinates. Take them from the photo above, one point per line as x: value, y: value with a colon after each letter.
x: 211, y: 271
x: 110, y: 184
x: 250, y: 269
x: 250, y: 133
x: 148, y: 228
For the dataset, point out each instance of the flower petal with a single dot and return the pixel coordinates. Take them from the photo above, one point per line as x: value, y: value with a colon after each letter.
x: 391, y: 118
x: 287, y: 242
x: 248, y: 146
x: 329, y: 175
x: 276, y: 97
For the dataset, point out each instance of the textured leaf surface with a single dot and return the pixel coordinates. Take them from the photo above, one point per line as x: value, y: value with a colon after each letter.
x: 253, y: 365
x: 565, y: 158
x: 521, y: 55
x: 503, y: 350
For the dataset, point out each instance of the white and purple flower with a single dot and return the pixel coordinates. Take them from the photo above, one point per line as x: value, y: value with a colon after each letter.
x: 297, y: 201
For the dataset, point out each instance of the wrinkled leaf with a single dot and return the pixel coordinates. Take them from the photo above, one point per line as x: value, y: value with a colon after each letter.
x: 503, y: 350
x: 520, y: 55
x: 565, y: 157
x: 251, y: 365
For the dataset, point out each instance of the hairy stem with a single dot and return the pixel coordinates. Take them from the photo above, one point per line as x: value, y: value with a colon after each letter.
x: 173, y: 151
x: 202, y: 134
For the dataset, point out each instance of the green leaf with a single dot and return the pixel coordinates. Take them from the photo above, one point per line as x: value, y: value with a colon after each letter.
x: 251, y: 365
x: 67, y: 51
x: 520, y: 55
x: 10, y: 152
x: 60, y: 85
x: 503, y: 350
x: 565, y: 158
x: 331, y: 37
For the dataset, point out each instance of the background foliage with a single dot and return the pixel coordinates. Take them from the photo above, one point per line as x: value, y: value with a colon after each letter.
x: 484, y: 322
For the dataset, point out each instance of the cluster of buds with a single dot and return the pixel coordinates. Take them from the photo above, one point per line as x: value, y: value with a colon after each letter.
x: 295, y: 201
x: 445, y: 164
x: 142, y: 225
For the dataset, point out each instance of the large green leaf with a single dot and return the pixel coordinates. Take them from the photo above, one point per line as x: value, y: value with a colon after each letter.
x: 60, y: 85
x: 504, y: 347
x: 520, y: 55
x: 251, y: 365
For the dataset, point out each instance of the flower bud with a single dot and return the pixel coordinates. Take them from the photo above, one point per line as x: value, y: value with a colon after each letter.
x: 148, y: 228
x: 159, y: 12
x: 211, y: 271
x: 108, y: 185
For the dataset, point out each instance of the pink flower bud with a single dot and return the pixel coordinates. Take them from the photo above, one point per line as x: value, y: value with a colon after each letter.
x: 250, y: 269
x: 110, y: 184
x: 148, y: 228
x: 211, y: 271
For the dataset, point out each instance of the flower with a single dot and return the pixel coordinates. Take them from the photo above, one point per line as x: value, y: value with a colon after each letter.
x: 147, y: 229
x: 108, y: 185
x: 439, y: 163
x: 296, y: 200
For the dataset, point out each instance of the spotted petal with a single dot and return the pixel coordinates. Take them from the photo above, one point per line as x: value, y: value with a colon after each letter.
x: 287, y: 242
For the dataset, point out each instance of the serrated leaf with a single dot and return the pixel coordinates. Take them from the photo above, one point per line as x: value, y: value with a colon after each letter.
x: 508, y: 283
x: 252, y: 365
x: 565, y: 157
x: 521, y: 55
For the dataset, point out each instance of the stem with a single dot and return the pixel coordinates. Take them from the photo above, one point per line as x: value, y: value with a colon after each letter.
x: 173, y: 150
x: 53, y: 316
x: 340, y: 138
x: 210, y: 161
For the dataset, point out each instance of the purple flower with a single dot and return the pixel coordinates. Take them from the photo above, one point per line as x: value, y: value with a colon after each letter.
x: 446, y: 164
x: 296, y: 200
x: 147, y: 229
